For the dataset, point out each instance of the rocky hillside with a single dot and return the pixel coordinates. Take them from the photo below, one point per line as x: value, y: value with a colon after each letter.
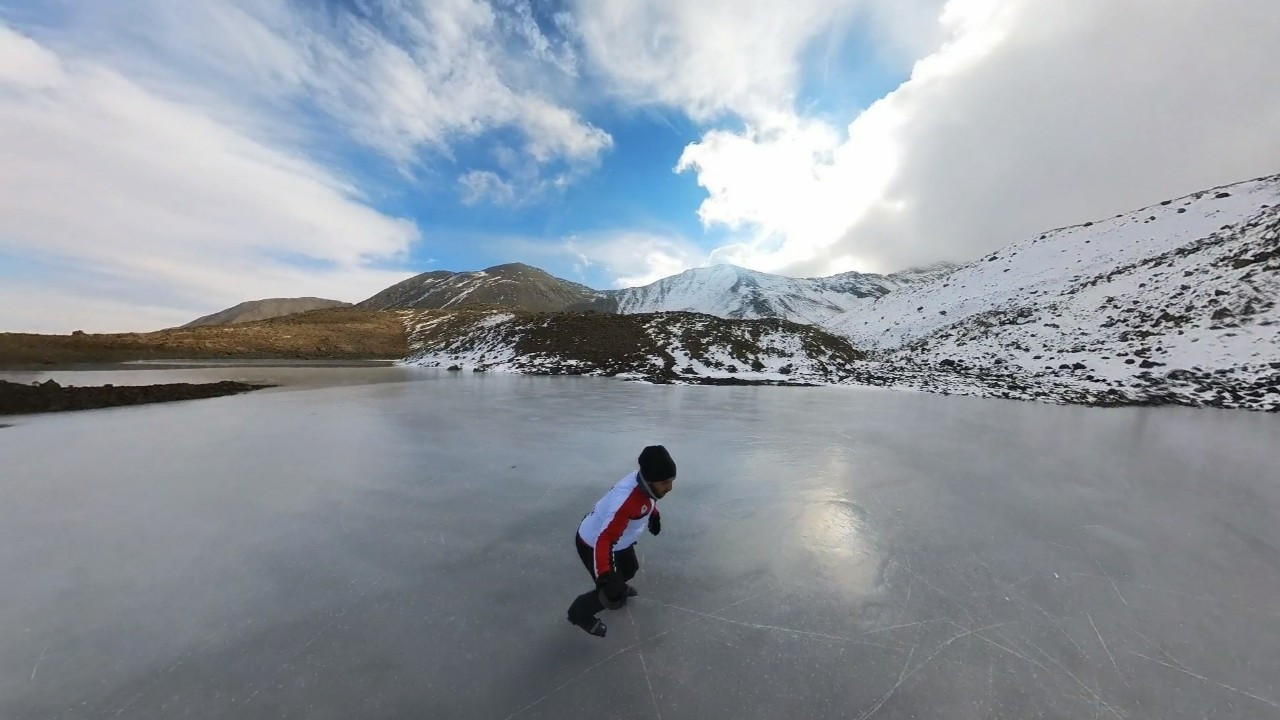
x: 1174, y: 303
x: 732, y: 292
x: 340, y: 334
x: 658, y: 347
x: 514, y: 286
x: 265, y: 310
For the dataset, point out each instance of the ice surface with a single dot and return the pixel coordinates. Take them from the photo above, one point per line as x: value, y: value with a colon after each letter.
x: 401, y: 546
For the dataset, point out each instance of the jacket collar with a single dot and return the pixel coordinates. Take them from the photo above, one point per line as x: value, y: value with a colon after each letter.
x: 644, y: 485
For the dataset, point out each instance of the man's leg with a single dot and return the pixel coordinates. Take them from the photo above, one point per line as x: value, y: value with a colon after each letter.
x: 586, y: 554
x: 586, y: 606
x: 584, y: 609
x: 626, y: 563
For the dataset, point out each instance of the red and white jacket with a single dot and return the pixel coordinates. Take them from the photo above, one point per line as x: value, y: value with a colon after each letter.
x: 618, y: 520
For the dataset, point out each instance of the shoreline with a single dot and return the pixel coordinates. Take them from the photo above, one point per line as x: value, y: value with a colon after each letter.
x: 52, y: 397
x: 195, y: 364
x: 952, y: 384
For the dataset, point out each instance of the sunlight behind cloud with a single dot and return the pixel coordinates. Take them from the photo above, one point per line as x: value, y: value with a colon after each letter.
x: 1026, y: 116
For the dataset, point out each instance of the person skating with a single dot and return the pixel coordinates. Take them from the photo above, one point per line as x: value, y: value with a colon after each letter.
x: 606, y: 537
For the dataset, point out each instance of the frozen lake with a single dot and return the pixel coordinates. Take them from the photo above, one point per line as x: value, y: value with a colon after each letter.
x: 397, y: 542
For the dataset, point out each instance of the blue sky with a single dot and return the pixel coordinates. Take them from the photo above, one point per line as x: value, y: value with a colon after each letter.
x: 163, y: 160
x: 633, y: 186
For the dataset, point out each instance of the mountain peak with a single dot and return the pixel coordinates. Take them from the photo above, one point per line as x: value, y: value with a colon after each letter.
x: 514, y: 286
x: 735, y: 269
x: 721, y: 270
x: 515, y: 267
x: 264, y: 310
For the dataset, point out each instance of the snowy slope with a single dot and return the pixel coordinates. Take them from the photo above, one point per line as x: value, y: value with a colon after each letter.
x: 729, y: 291
x: 659, y: 347
x: 1172, y: 303
x: 1175, y: 303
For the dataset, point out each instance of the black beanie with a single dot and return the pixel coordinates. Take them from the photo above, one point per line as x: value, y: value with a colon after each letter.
x: 656, y: 464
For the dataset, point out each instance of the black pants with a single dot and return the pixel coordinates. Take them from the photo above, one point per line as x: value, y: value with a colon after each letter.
x: 587, y: 605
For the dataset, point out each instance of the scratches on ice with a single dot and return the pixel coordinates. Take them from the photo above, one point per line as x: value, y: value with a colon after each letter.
x: 1202, y: 678
x: 898, y: 627
x: 644, y: 667
x: 901, y: 676
x: 128, y: 705
x: 1104, y: 647
x: 758, y: 626
x: 904, y: 675
x: 575, y: 678
x: 1113, y: 582
x: 1092, y: 693
x: 301, y: 648
x: 649, y: 682
x: 37, y: 665
x: 633, y: 645
x: 911, y: 581
x: 945, y: 596
x: 919, y: 653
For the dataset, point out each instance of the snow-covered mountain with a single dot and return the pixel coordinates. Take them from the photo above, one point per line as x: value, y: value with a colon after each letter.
x: 514, y: 285
x: 1172, y: 303
x: 725, y: 291
x: 729, y: 291
x: 658, y: 347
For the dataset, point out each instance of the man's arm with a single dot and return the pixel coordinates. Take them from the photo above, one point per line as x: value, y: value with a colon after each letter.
x: 613, y: 531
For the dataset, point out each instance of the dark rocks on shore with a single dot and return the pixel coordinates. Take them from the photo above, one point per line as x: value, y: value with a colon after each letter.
x: 728, y: 381
x: 49, y: 396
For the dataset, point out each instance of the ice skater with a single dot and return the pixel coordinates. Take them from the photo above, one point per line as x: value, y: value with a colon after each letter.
x: 606, y: 537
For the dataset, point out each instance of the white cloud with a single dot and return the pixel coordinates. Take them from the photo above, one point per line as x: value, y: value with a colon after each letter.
x: 481, y: 185
x: 556, y: 132
x: 707, y: 58
x: 607, y: 258
x: 163, y: 204
x: 446, y: 81
x: 777, y: 180
x: 168, y: 155
x: 519, y: 21
x: 522, y: 182
x: 904, y: 30
x: 407, y: 78
x: 631, y: 259
x: 24, y: 64
x: 1029, y: 114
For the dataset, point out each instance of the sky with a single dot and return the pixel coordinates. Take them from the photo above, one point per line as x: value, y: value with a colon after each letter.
x: 164, y: 159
